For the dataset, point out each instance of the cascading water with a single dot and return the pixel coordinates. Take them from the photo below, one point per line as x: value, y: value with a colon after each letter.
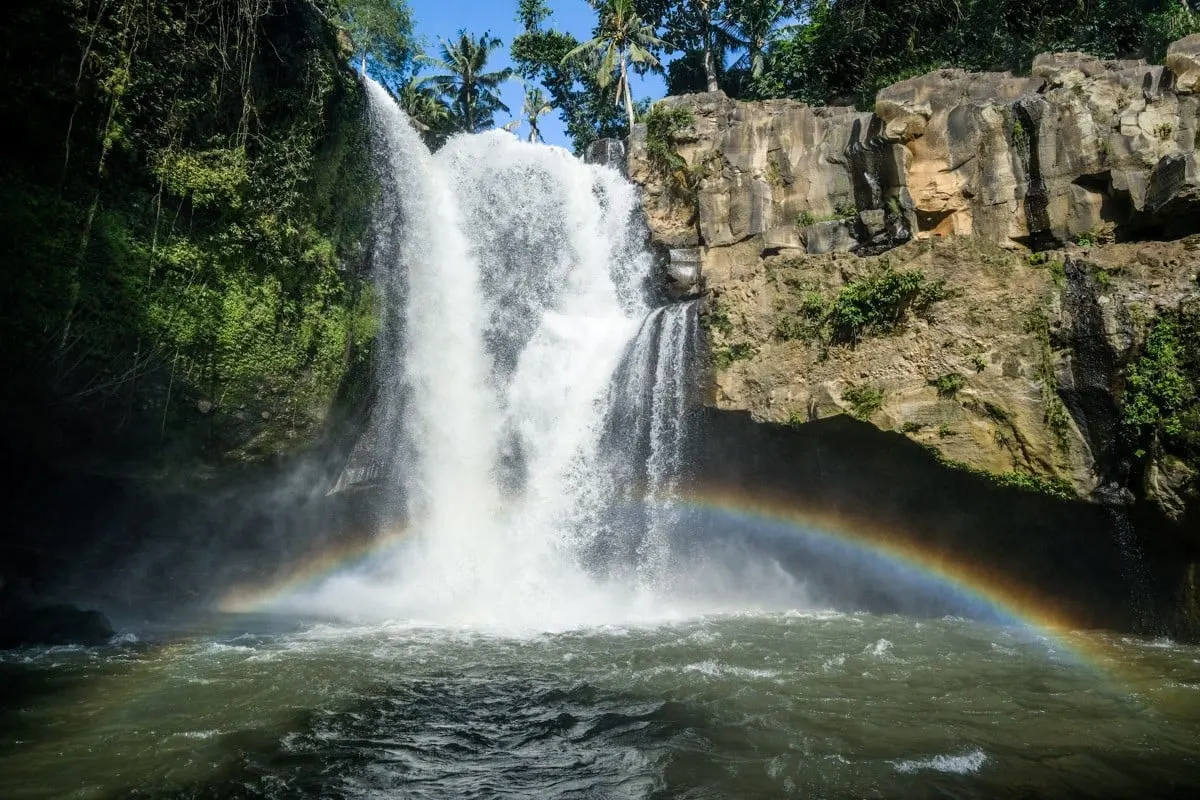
x: 648, y: 429
x: 513, y: 283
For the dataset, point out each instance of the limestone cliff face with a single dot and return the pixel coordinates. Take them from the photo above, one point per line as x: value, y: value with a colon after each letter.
x: 1029, y: 231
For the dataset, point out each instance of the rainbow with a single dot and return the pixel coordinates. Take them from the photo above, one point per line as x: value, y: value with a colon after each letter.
x: 991, y: 594
x: 342, y: 558
x: 984, y: 593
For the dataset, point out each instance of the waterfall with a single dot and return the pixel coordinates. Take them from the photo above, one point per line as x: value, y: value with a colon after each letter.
x: 1136, y: 572
x: 648, y: 429
x: 515, y: 333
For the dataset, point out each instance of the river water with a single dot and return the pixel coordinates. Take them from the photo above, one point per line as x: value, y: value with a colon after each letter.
x: 793, y: 704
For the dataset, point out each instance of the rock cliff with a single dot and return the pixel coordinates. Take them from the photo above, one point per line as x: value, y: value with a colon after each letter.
x: 1001, y: 268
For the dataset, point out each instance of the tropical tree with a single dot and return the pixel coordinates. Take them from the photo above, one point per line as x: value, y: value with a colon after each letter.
x: 429, y: 114
x: 622, y: 38
x: 472, y: 91
x: 535, y: 106
x: 588, y: 110
x: 705, y: 19
x: 752, y: 26
x: 380, y: 31
x: 532, y: 13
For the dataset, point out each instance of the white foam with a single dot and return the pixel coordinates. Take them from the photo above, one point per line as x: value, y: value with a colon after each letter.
x: 879, y: 649
x: 966, y: 764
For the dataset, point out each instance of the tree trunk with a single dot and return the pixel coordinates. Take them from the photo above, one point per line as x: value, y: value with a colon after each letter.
x: 628, y: 94
x: 710, y: 67
x: 710, y: 56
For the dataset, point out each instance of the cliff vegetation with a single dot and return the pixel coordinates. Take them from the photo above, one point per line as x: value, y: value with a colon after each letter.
x: 186, y: 195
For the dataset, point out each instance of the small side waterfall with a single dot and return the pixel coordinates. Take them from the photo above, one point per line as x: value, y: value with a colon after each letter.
x: 649, y: 426
x: 1137, y: 573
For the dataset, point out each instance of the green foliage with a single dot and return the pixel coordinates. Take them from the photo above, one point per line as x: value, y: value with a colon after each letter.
x: 1172, y: 21
x: 845, y: 212
x: 663, y: 122
x: 841, y: 213
x: 191, y: 233
x: 978, y: 363
x: 1020, y: 137
x: 1054, y: 413
x: 623, y: 40
x: 1161, y: 401
x: 911, y: 427
x: 1016, y: 479
x: 847, y: 50
x: 948, y: 385
x: 1164, y: 131
x: 724, y: 355
x: 772, y: 174
x: 532, y: 13
x: 380, y: 33
x: 1058, y: 272
x: 944, y: 431
x: 1028, y: 482
x: 864, y: 401
x: 1036, y: 259
x: 717, y: 319
x: 590, y: 111
x: 1086, y: 239
x: 428, y: 112
x: 879, y: 303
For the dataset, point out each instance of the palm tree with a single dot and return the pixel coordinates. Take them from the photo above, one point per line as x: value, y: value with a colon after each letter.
x: 753, y: 25
x: 428, y: 113
x: 535, y: 106
x: 471, y: 91
x: 622, y: 38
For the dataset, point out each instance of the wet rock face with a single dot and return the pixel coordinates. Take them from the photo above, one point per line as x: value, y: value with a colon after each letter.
x: 607, y: 153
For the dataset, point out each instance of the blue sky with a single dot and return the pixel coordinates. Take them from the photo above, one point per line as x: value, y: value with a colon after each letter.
x: 443, y: 18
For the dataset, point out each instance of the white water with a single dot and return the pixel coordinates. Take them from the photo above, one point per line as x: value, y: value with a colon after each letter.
x: 521, y: 282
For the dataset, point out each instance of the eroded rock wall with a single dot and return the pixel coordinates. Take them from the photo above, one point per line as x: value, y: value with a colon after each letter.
x: 1021, y: 366
x: 1080, y: 147
x: 978, y: 265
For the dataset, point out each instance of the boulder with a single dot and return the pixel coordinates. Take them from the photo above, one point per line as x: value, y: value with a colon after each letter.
x: 607, y: 153
x: 1167, y: 481
x: 684, y: 271
x: 1183, y: 59
x: 833, y: 236
x: 1174, y: 187
x: 53, y: 625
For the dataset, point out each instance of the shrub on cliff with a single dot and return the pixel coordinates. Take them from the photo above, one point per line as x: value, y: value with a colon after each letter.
x: 1160, y: 408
